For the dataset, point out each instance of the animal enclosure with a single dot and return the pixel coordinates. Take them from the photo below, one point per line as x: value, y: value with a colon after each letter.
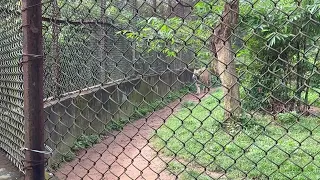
x: 116, y: 92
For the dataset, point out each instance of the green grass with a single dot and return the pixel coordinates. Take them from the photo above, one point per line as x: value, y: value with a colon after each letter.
x: 186, y: 173
x: 265, y: 148
x: 85, y: 141
x: 313, y: 96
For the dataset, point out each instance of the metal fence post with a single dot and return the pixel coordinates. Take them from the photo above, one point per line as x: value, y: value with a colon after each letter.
x: 33, y: 88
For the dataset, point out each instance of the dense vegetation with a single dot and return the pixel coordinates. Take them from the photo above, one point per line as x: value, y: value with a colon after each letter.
x: 277, y: 67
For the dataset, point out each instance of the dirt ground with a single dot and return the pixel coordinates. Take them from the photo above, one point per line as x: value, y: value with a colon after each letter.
x: 7, y: 170
x: 126, y: 154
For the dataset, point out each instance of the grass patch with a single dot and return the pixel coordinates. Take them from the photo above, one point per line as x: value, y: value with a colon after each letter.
x: 278, y: 149
x: 313, y: 96
x: 179, y: 170
x: 85, y: 141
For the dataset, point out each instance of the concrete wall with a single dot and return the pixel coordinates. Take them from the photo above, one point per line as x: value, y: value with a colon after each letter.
x: 90, y: 110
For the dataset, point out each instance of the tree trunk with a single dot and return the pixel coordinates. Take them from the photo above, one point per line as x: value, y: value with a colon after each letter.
x: 225, y: 65
x: 102, y: 52
x: 302, y: 82
x: 56, y: 50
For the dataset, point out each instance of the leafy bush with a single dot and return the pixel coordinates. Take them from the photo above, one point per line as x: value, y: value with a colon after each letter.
x: 313, y: 96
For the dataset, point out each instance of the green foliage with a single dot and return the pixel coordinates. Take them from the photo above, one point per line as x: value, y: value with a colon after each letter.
x: 177, y: 168
x: 173, y: 35
x: 268, y: 61
x: 260, y: 151
x: 273, y: 56
x: 313, y: 97
x: 116, y: 125
x: 142, y: 111
x: 251, y: 125
x: 85, y: 141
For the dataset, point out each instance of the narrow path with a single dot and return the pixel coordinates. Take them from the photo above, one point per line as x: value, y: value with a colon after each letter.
x: 7, y: 170
x: 126, y: 154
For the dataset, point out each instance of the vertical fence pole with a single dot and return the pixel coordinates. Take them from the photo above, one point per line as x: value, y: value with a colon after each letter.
x: 33, y: 88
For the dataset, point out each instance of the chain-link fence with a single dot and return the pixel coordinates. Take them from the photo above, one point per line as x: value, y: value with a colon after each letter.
x: 161, y: 89
x: 83, y: 47
x: 11, y: 90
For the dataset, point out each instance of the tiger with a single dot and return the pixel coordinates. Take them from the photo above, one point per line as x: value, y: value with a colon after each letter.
x: 202, y: 76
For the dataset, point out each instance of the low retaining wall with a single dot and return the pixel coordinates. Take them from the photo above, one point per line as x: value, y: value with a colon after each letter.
x: 88, y: 111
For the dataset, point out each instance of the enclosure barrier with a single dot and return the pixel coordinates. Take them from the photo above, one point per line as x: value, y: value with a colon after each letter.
x: 164, y: 89
x: 11, y: 83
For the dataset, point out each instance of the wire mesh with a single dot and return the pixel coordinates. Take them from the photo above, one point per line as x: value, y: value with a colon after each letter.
x: 182, y: 89
x: 11, y: 90
x: 147, y: 116
x: 83, y: 48
x: 161, y: 89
